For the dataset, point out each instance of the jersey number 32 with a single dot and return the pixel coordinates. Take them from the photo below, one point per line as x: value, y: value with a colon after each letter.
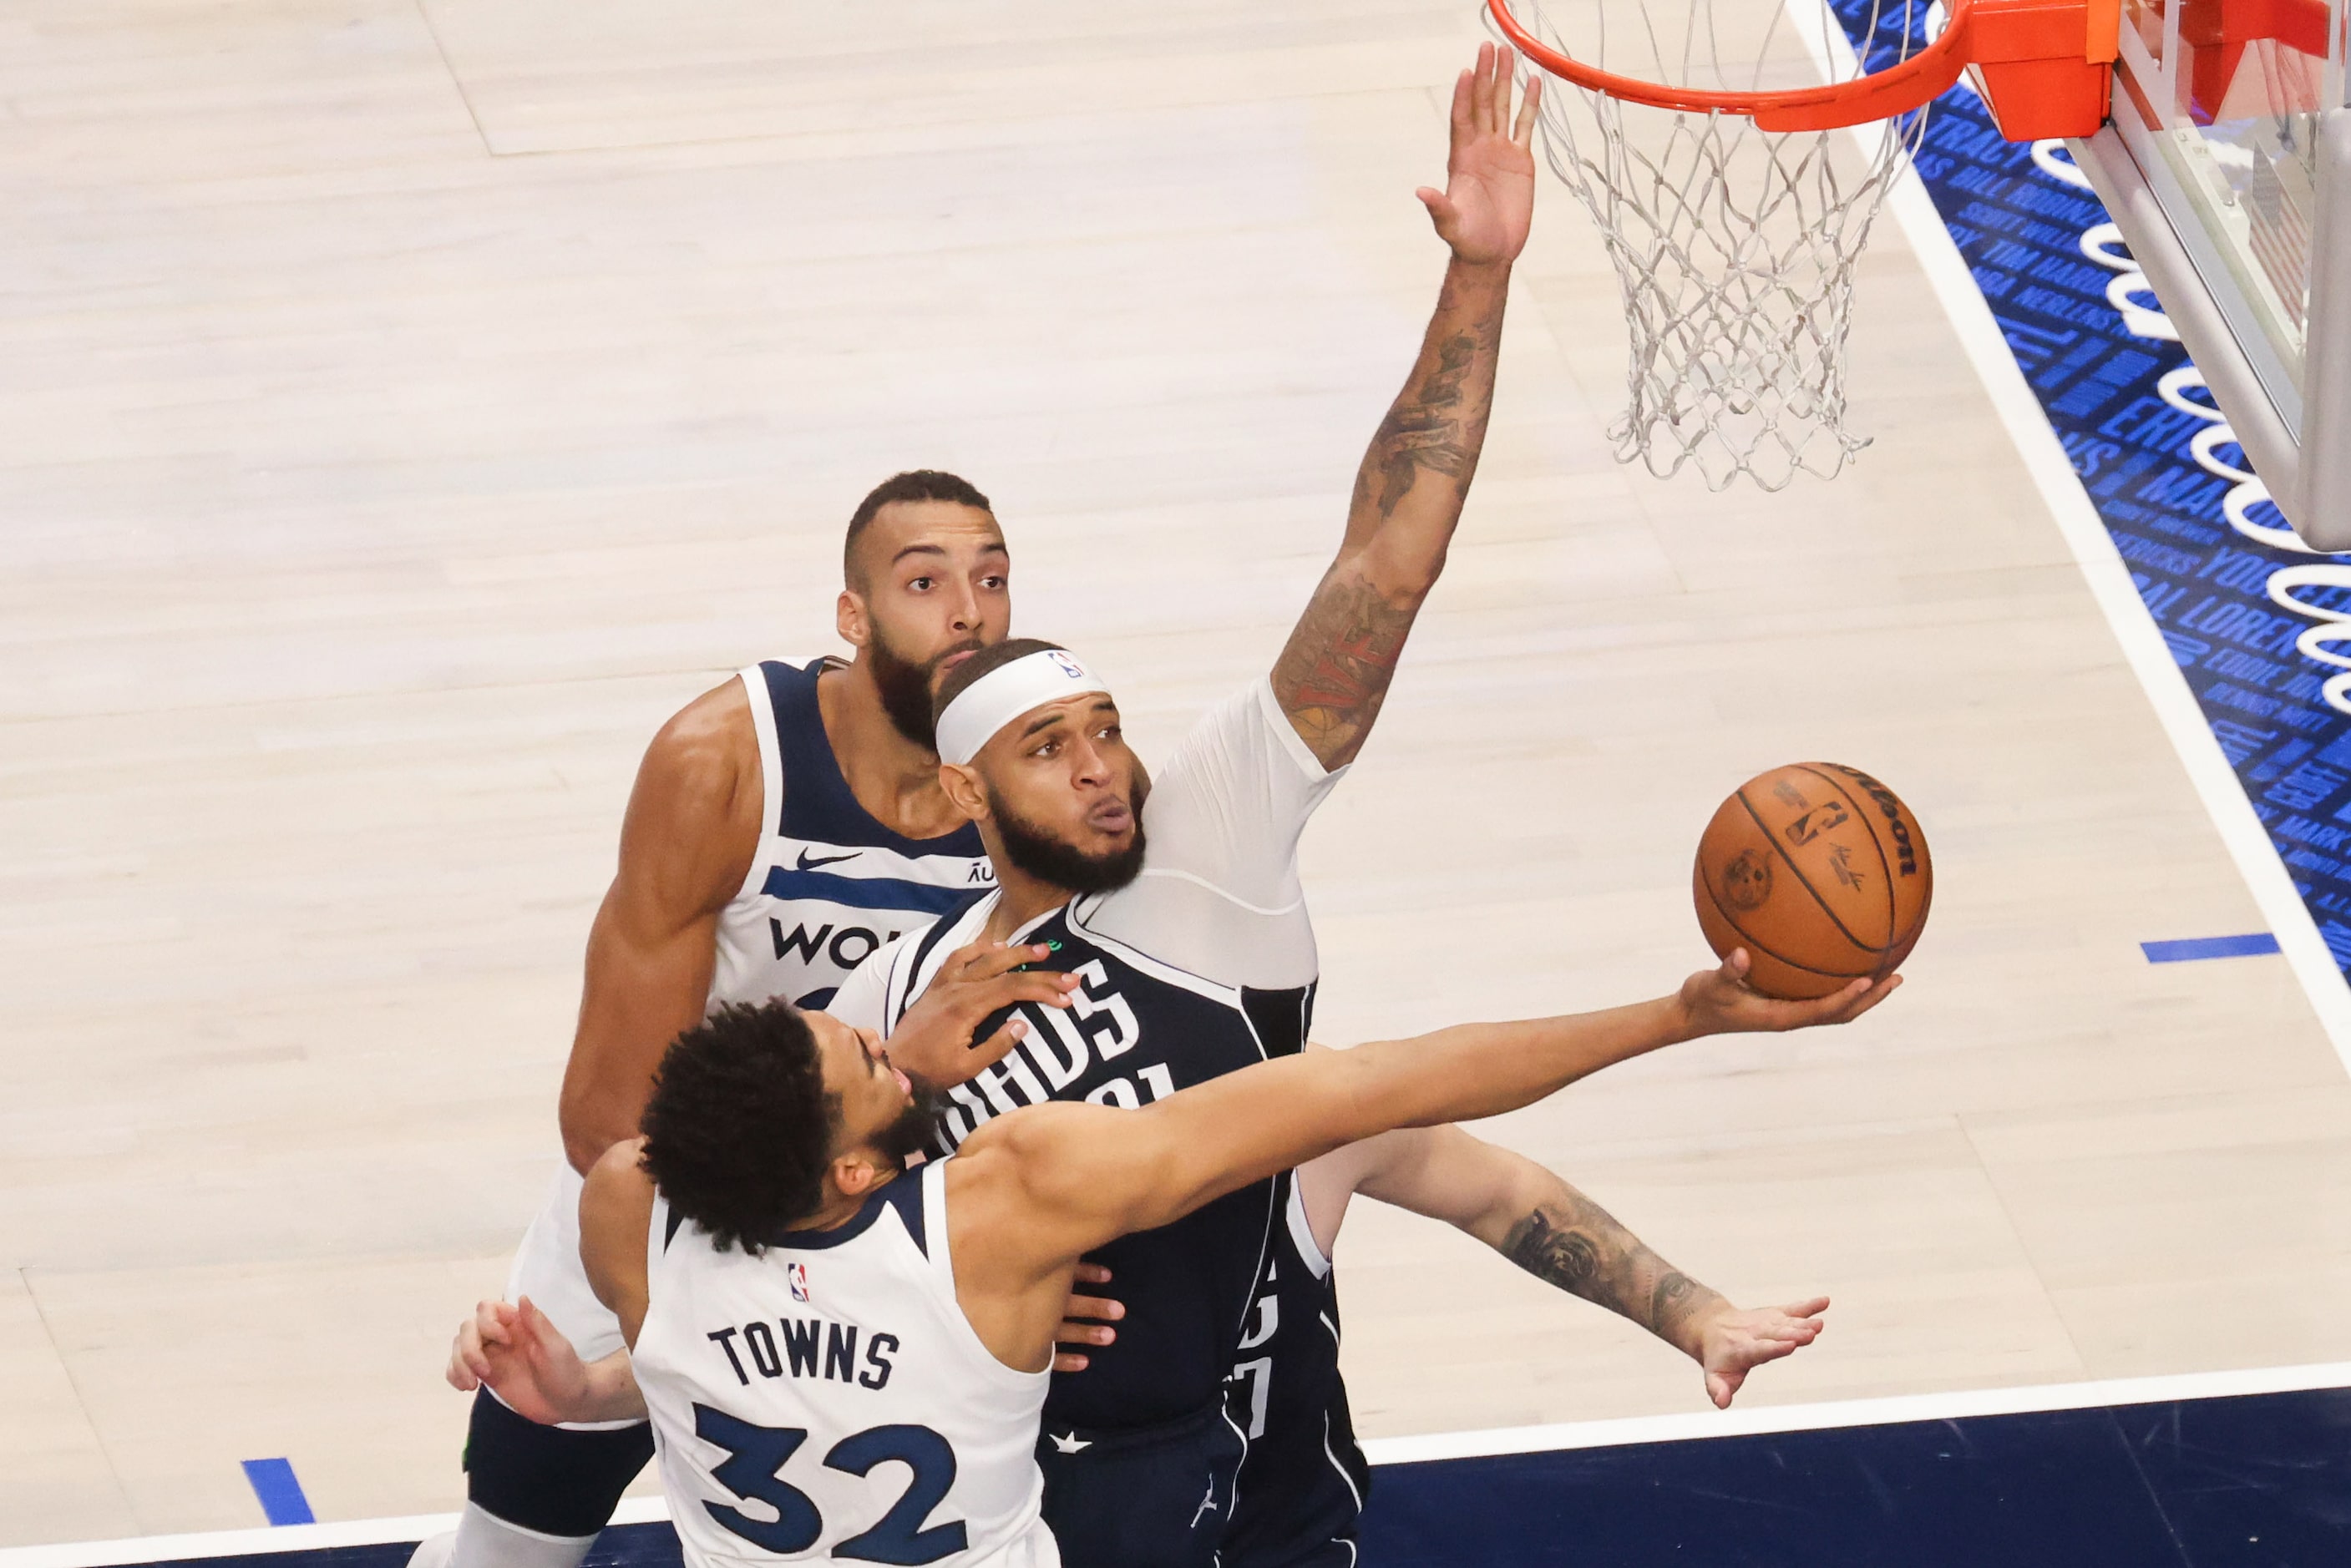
x: 756, y: 1456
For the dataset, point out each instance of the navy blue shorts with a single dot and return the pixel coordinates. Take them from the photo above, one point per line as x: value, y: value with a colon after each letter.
x: 1151, y: 1497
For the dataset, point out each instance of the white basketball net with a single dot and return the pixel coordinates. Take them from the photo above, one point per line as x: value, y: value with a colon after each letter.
x: 1734, y: 248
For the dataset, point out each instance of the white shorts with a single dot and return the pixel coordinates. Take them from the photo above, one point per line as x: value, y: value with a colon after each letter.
x: 548, y: 1270
x: 1031, y: 1548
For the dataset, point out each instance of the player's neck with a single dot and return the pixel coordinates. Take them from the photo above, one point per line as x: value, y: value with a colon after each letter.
x: 1021, y: 898
x: 840, y: 1208
x: 895, y: 780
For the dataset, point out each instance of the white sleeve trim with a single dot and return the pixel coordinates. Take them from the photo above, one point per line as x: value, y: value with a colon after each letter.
x: 1269, y: 708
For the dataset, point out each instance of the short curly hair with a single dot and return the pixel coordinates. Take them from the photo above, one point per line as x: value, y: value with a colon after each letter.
x: 739, y: 1128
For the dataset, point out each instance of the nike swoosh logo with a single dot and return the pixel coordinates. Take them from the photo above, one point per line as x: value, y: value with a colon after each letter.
x: 810, y: 862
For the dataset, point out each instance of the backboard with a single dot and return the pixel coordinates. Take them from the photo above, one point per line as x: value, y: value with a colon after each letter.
x: 2227, y: 165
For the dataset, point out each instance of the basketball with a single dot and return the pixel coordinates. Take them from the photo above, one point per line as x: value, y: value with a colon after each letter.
x: 1820, y: 872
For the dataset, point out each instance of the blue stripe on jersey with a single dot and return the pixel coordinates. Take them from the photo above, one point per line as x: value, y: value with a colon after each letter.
x: 861, y: 892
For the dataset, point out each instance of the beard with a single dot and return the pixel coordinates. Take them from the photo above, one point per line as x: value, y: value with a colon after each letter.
x: 905, y: 686
x: 1039, y: 855
x: 911, y: 1133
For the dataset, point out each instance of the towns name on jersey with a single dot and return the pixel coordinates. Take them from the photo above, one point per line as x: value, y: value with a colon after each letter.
x: 800, y: 1346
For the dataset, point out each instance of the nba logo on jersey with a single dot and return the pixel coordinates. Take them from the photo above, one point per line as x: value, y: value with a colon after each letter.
x: 797, y: 1276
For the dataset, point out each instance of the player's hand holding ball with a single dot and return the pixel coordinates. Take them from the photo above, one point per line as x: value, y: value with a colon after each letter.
x: 1721, y: 1001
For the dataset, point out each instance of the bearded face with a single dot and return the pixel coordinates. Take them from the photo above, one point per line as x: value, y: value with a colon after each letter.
x: 905, y: 685
x: 911, y: 1133
x: 1038, y: 853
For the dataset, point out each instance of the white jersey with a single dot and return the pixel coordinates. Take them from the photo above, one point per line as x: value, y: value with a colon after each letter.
x: 829, y: 1399
x: 828, y: 886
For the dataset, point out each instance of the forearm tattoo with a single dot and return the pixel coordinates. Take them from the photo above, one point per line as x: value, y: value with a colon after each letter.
x: 1577, y: 1245
x: 1438, y: 423
x: 1429, y: 429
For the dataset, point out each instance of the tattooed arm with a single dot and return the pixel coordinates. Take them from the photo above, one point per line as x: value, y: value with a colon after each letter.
x: 1334, y: 672
x: 1560, y: 1236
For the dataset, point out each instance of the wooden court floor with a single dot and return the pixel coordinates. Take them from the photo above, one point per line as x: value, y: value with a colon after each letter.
x: 408, y: 405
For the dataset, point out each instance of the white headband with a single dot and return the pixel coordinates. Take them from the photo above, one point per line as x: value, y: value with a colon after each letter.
x: 1004, y: 693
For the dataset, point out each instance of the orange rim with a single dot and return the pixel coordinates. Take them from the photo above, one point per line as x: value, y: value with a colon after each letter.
x: 1881, y: 95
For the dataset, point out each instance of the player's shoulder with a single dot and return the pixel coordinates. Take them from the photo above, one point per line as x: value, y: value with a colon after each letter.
x: 1029, y: 1145
x: 707, y: 750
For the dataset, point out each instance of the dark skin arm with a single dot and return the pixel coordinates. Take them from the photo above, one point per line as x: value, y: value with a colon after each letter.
x: 1033, y: 1191
x: 1334, y: 672
x: 687, y: 844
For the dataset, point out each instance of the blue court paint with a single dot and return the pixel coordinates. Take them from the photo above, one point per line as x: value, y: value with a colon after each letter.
x: 2190, y: 948
x: 282, y: 1501
x: 2260, y: 1482
x: 2254, y: 1481
x: 2203, y: 545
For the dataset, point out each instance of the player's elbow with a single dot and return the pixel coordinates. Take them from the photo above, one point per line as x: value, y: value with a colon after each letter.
x: 591, y: 1125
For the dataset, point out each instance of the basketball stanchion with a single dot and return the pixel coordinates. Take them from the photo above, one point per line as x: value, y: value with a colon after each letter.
x: 1734, y: 221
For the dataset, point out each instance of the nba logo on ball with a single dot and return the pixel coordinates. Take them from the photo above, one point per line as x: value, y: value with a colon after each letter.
x: 796, y: 1275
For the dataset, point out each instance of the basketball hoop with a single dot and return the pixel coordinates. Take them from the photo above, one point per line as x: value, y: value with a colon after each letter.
x: 1734, y: 221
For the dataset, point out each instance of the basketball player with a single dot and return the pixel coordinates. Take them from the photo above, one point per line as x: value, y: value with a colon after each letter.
x: 1303, y: 1482
x: 782, y: 827
x: 844, y: 1362
x: 1195, y: 957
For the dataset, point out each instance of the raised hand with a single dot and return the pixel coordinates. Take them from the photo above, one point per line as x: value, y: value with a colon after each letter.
x: 511, y: 1346
x: 1719, y: 1002
x: 1732, y: 1343
x: 934, y: 1044
x: 1489, y: 200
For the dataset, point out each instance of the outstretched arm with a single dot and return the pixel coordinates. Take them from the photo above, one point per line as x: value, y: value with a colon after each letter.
x: 1334, y: 672
x: 1544, y: 1225
x: 1085, y: 1174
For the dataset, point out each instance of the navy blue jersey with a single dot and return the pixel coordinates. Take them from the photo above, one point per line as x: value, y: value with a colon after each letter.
x: 1304, y: 1481
x: 1138, y: 1031
x: 829, y: 884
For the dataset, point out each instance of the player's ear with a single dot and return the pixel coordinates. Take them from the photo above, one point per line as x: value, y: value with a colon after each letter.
x: 963, y: 788
x: 857, y: 1173
x: 849, y: 618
